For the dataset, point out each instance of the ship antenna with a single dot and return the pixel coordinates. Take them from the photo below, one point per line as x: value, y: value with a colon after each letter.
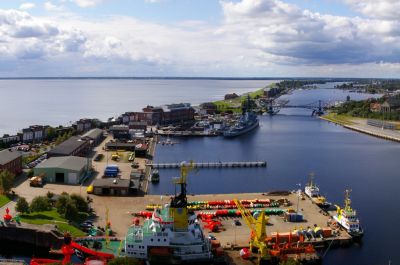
x: 347, y: 201
x: 312, y: 174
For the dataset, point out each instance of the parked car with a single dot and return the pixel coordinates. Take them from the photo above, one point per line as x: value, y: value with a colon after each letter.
x: 211, y: 237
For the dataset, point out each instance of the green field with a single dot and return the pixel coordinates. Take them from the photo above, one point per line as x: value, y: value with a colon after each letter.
x: 51, y: 217
x: 339, y: 119
x: 234, y: 105
x: 4, y: 200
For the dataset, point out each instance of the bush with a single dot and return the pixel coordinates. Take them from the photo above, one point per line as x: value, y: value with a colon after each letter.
x: 80, y: 203
x: 123, y: 261
x: 40, y: 204
x: 61, y: 203
x: 49, y: 195
x: 6, y: 181
x: 22, y: 205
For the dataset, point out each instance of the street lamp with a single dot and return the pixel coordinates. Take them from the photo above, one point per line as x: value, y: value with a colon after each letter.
x: 298, y: 197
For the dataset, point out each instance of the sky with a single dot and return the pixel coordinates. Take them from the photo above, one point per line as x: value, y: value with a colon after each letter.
x: 193, y: 38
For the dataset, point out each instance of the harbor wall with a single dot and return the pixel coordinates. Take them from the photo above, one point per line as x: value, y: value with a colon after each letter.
x: 31, y: 235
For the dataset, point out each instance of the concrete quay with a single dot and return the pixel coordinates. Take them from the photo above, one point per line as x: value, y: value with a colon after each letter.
x: 360, y: 125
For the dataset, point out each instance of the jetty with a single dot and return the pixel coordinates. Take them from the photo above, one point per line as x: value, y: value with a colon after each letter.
x: 187, y: 133
x: 219, y: 164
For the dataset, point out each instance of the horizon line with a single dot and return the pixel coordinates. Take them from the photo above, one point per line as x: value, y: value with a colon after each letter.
x: 194, y: 78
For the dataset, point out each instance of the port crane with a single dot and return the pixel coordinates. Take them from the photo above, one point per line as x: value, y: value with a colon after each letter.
x: 258, y: 237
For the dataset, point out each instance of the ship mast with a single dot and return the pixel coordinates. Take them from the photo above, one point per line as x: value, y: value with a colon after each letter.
x: 311, y: 175
x: 178, y: 206
x: 347, y: 201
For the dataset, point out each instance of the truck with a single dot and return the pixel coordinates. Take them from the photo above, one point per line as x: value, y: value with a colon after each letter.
x: 36, y: 181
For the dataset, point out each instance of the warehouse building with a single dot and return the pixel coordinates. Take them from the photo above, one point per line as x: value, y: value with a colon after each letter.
x: 64, y: 169
x: 74, y: 146
x: 111, y: 186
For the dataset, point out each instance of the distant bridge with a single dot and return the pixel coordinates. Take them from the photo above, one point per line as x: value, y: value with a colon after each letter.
x: 318, y: 107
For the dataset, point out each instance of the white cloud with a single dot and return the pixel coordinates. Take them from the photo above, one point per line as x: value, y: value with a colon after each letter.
x: 26, y: 6
x: 255, y: 38
x: 311, y: 38
x: 49, y: 6
x: 381, y: 9
x: 87, y: 3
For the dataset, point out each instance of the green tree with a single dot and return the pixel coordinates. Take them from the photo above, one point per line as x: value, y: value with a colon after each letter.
x: 50, y: 133
x: 71, y: 212
x: 22, y: 205
x: 62, y: 202
x: 80, y: 203
x: 6, y: 181
x: 40, y: 204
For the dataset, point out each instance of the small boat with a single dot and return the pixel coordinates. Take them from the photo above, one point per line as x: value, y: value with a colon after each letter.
x: 347, y: 217
x: 312, y: 191
x: 155, y: 176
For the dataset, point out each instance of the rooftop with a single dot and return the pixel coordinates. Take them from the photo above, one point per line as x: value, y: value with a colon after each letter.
x: 110, y: 183
x: 68, y: 146
x: 93, y: 133
x: 67, y: 162
x: 6, y: 156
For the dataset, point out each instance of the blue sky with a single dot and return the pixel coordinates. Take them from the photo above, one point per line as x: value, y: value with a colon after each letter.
x: 200, y: 38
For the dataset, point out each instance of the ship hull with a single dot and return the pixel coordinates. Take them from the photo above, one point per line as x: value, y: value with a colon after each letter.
x: 354, y: 234
x: 229, y: 134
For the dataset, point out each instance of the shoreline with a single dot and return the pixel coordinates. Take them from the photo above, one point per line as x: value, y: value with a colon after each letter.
x: 365, y: 129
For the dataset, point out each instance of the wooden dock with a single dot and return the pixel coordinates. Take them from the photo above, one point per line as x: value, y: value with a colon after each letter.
x: 186, y: 133
x: 211, y: 165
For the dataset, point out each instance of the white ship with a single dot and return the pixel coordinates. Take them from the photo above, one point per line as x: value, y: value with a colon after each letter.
x: 171, y: 235
x: 347, y: 217
x: 312, y: 191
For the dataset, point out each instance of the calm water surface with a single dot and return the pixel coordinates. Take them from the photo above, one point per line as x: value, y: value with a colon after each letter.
x: 294, y: 144
x: 61, y: 101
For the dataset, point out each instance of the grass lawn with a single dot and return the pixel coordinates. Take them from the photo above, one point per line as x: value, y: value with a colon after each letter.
x: 340, y: 119
x: 234, y: 105
x: 51, y: 217
x: 4, y: 200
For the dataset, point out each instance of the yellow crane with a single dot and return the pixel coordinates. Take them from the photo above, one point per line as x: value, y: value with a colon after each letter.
x: 258, y: 231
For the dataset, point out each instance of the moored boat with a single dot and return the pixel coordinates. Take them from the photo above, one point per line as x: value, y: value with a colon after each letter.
x: 312, y: 191
x: 247, y: 122
x: 347, y: 217
x: 155, y: 176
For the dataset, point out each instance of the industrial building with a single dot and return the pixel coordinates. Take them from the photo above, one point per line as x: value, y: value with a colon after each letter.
x: 64, y: 169
x: 111, y: 186
x: 95, y: 136
x: 11, y: 161
x: 74, y: 146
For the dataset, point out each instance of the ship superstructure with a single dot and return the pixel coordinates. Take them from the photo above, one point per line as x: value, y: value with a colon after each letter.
x: 347, y: 217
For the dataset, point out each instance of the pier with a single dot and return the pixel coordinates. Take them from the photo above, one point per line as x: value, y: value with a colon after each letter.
x: 187, y: 133
x: 210, y: 165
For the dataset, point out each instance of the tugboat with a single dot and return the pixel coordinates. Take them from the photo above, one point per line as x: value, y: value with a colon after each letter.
x: 312, y: 191
x: 247, y: 122
x: 155, y: 176
x: 172, y: 235
x: 347, y: 217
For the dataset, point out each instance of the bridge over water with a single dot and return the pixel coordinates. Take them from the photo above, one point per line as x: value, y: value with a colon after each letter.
x: 318, y: 107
